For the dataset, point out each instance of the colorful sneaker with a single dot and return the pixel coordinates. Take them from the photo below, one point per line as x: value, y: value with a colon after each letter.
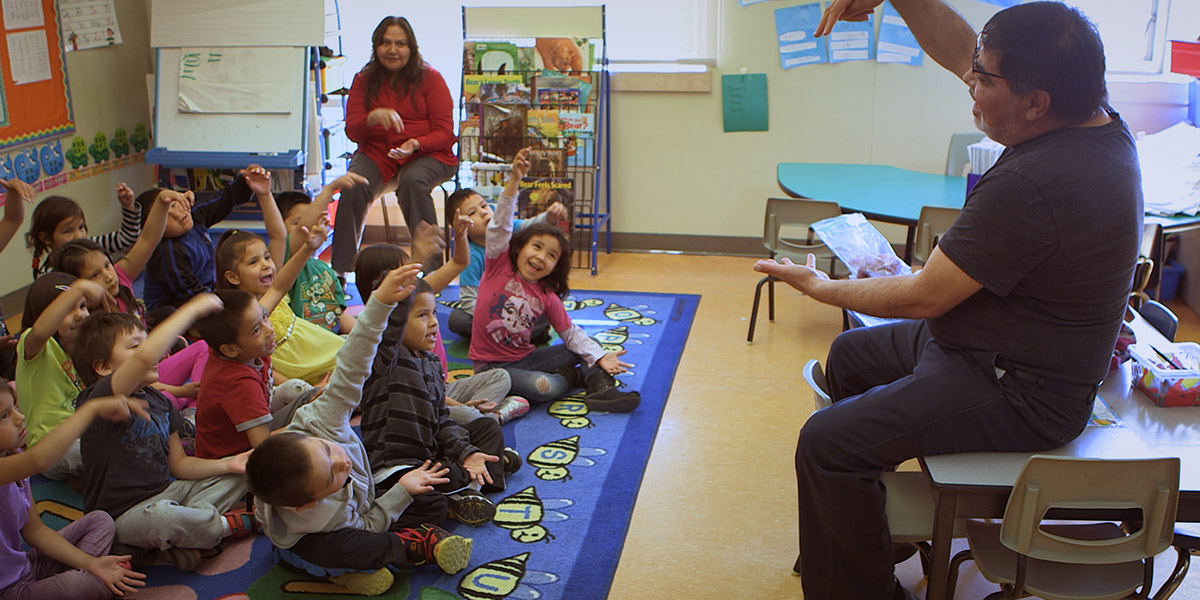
x: 470, y: 507
x: 366, y: 584
x: 430, y: 543
x: 511, y: 408
x: 511, y: 460
x: 241, y: 523
x: 604, y: 394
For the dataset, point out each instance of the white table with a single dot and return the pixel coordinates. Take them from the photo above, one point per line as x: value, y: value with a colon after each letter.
x: 977, y: 484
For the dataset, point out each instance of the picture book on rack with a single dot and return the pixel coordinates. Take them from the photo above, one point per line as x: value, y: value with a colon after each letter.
x: 559, y: 92
x: 495, y: 89
x: 498, y: 57
x: 547, y: 162
x: 468, y: 139
x: 536, y: 194
x: 568, y: 56
x: 542, y: 127
x: 503, y: 130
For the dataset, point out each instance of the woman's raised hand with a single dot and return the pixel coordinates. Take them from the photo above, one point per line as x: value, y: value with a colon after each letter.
x: 386, y: 118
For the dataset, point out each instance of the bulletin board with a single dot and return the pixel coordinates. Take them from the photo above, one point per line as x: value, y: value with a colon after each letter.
x: 37, y: 109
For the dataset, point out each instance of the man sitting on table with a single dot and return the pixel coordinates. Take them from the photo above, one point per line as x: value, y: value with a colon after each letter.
x: 1014, y: 315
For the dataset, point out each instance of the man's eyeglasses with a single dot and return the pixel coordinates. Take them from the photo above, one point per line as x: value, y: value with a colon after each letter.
x: 975, y: 61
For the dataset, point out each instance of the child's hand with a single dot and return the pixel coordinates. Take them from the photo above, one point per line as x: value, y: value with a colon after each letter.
x: 114, y: 571
x: 476, y: 464
x: 459, y: 225
x: 190, y: 389
x: 483, y: 405
x: 348, y: 181
x: 320, y: 231
x: 259, y: 180
x: 422, y: 479
x: 187, y: 197
x: 118, y: 409
x: 427, y: 242
x: 203, y: 305
x: 91, y: 291
x: 612, y: 363
x: 520, y: 165
x: 16, y: 189
x: 555, y: 213
x: 237, y: 462
x: 405, y: 150
x: 397, y: 284
x: 8, y: 342
x: 386, y: 118
x: 124, y: 195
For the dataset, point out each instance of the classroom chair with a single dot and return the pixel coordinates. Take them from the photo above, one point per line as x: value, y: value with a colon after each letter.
x: 783, y: 221
x: 1186, y: 542
x: 1148, y: 272
x: 957, y: 160
x: 1085, y: 558
x: 1160, y: 317
x: 931, y: 224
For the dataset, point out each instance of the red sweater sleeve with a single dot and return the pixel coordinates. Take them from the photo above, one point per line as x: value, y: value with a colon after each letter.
x: 440, y: 109
x: 356, y: 110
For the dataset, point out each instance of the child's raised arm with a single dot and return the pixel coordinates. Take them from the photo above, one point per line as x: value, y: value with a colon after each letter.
x: 500, y: 230
x: 135, y: 261
x: 286, y: 276
x: 439, y: 279
x: 17, y: 194
x: 259, y: 180
x: 133, y: 372
x: 47, y: 323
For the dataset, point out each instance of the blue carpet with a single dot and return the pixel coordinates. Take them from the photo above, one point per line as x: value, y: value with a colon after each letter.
x: 562, y: 521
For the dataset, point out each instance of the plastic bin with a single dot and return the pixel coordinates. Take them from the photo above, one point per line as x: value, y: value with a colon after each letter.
x: 1172, y: 274
x: 1161, y: 382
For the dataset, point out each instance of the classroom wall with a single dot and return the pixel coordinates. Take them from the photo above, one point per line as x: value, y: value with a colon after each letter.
x: 108, y: 89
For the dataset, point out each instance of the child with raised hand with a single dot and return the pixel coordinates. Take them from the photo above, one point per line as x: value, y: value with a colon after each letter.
x: 318, y: 502
x: 17, y: 195
x: 182, y: 265
x: 244, y: 261
x: 317, y: 296
x: 525, y: 277
x: 472, y: 205
x: 136, y: 470
x: 55, y: 307
x: 58, y: 220
x: 405, y: 423
x: 239, y: 405
x: 73, y: 562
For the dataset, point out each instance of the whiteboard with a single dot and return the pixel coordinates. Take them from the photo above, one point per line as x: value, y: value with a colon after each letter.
x: 178, y: 23
x: 178, y: 134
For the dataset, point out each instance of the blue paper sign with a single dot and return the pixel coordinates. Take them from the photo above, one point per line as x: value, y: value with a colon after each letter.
x: 852, y: 40
x: 896, y: 41
x: 797, y: 46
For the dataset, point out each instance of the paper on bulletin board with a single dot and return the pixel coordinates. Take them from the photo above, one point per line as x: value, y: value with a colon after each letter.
x: 28, y: 56
x: 797, y: 46
x: 3, y: 101
x: 23, y: 14
x: 896, y: 41
x: 744, y: 98
x: 749, y: 2
x: 236, y: 80
x: 852, y: 40
x: 88, y: 24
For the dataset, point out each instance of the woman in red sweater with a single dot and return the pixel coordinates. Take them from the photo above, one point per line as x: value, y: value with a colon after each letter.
x: 401, y: 115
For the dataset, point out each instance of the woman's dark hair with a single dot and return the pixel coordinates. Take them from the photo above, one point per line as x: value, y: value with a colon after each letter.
x: 410, y: 75
x: 556, y: 281
x: 46, y: 216
x: 372, y: 263
x: 71, y: 257
x: 43, y: 291
x: 1051, y: 47
x: 229, y: 252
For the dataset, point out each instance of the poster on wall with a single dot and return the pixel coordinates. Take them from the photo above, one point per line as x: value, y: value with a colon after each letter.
x: 48, y: 164
x: 37, y: 103
x: 793, y: 27
x: 896, y: 42
x: 88, y: 24
x: 852, y: 40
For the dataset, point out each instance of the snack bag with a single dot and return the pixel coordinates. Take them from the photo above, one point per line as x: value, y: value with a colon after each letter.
x: 860, y: 246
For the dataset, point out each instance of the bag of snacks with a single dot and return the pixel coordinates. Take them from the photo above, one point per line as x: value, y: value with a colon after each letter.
x: 860, y: 246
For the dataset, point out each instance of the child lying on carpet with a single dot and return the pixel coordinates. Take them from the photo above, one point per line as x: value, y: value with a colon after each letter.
x: 137, y: 471
x: 316, y: 498
x: 74, y: 562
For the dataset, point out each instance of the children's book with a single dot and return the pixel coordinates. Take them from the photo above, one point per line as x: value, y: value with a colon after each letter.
x: 495, y: 89
x: 547, y: 162
x: 536, y: 194
x: 575, y: 123
x: 468, y: 139
x: 496, y: 57
x: 543, y: 127
x: 563, y: 55
x: 558, y: 92
x: 503, y: 131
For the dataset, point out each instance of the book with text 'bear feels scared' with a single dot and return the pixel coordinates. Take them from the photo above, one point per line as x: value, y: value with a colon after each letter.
x: 536, y: 194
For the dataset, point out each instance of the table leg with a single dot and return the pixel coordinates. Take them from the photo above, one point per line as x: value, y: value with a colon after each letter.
x: 908, y: 244
x: 943, y: 537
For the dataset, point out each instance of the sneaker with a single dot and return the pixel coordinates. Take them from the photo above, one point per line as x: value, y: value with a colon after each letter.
x: 470, y: 507
x: 241, y: 523
x: 366, y: 584
x: 511, y: 460
x: 430, y: 543
x: 511, y: 408
x: 184, y: 559
x: 604, y: 394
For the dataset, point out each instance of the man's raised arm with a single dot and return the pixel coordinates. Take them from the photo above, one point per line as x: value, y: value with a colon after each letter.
x: 943, y: 33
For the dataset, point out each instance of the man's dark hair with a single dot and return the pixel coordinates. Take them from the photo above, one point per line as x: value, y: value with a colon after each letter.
x: 278, y: 471
x: 1051, y: 47
x: 94, y: 342
x: 288, y: 200
x: 222, y: 327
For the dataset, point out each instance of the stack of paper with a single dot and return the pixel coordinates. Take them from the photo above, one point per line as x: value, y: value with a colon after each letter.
x: 983, y: 154
x: 1170, y: 161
